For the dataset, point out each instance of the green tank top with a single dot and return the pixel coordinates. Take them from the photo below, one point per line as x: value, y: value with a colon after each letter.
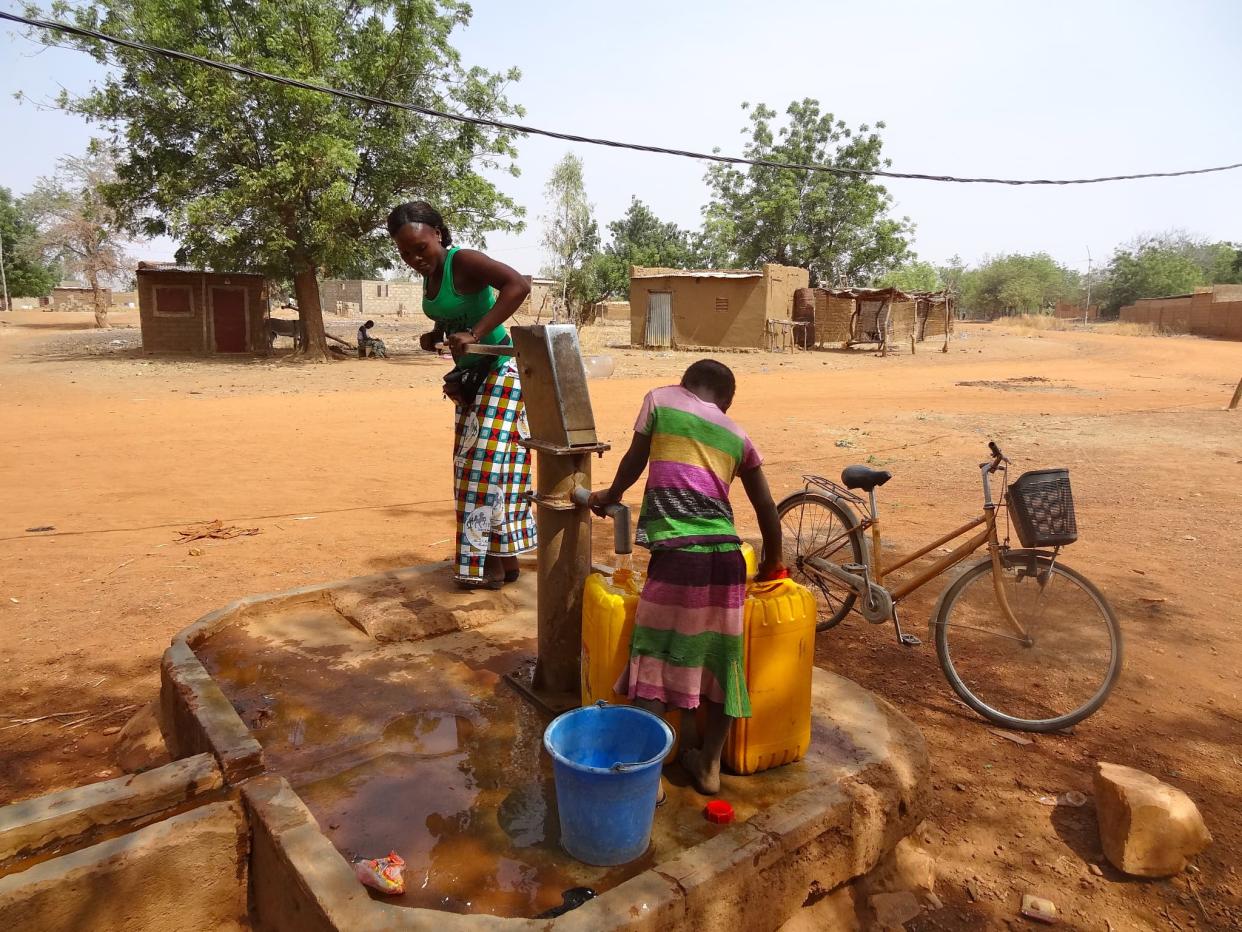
x: 457, y: 312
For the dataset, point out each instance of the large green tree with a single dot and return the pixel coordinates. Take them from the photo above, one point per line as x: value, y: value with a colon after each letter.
x: 1017, y: 283
x: 915, y: 275
x: 1166, y: 264
x: 253, y: 175
x: 836, y: 226
x: 642, y: 238
x: 25, y: 272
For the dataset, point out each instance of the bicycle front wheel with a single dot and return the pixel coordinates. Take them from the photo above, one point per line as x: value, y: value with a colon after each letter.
x: 814, y: 525
x: 1050, y: 675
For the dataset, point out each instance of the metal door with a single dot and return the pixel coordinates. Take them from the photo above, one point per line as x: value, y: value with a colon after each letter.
x: 659, y: 318
x: 228, y: 319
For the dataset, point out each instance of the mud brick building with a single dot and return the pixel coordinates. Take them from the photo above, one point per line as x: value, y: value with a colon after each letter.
x: 189, y: 311
x: 704, y: 308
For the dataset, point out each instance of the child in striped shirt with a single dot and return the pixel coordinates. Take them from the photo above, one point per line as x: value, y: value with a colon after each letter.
x: 687, y: 643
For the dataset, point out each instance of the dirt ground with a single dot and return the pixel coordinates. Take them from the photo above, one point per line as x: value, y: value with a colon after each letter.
x: 344, y: 470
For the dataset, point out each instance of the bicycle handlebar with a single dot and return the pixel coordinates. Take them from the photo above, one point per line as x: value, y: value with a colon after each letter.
x: 997, y: 457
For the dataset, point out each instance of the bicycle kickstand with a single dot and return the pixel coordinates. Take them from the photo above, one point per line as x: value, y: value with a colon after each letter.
x: 908, y: 640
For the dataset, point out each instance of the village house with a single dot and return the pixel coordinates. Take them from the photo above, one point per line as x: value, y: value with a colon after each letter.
x: 74, y: 296
x: 189, y: 311
x: 708, y: 308
x: 360, y: 297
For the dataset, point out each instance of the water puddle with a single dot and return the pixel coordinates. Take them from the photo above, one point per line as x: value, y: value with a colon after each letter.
x: 430, y: 755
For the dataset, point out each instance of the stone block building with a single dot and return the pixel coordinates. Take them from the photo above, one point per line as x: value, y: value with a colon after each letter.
x: 358, y: 297
x: 74, y: 296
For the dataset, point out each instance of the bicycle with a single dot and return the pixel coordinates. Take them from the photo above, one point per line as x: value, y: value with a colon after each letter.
x: 1025, y: 641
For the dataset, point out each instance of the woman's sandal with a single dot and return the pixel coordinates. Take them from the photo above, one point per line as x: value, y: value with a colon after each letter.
x: 472, y: 582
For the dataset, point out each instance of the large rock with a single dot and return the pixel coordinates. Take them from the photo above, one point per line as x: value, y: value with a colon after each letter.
x: 140, y: 745
x: 1148, y: 828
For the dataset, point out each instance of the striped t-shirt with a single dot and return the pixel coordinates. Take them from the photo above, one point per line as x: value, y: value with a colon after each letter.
x: 696, y: 450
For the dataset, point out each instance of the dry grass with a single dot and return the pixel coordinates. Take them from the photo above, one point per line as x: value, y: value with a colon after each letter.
x: 1036, y: 322
x: 595, y: 339
x: 1125, y: 328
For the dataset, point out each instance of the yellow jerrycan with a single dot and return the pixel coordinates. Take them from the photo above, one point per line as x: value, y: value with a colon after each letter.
x: 779, y: 639
x: 779, y: 655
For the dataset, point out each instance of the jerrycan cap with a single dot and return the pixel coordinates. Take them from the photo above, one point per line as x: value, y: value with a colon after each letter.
x: 719, y: 812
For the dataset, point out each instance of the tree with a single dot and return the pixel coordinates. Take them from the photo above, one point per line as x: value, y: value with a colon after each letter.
x: 571, y: 236
x: 25, y: 274
x: 836, y: 226
x: 253, y: 175
x: 1164, y: 264
x: 642, y: 238
x: 1017, y: 283
x: 915, y: 275
x: 76, y: 225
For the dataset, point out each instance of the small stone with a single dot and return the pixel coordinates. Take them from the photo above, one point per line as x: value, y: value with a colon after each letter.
x: 112, y: 730
x: 1096, y: 869
x: 197, y: 551
x: 960, y: 787
x: 1039, y: 909
x: 1147, y: 827
x: 894, y: 909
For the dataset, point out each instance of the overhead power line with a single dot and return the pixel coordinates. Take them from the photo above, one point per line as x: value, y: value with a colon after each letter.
x: 573, y: 137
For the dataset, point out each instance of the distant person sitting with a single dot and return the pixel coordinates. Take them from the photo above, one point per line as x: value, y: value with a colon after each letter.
x: 369, y: 345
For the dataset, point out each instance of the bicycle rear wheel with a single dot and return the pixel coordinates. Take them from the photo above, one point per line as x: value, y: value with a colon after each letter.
x: 1055, y: 676
x: 814, y: 525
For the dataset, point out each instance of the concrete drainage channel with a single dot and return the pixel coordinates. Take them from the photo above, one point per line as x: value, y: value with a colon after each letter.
x: 221, y: 839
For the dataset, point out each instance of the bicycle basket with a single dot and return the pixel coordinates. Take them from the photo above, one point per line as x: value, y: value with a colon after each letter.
x: 1043, y: 508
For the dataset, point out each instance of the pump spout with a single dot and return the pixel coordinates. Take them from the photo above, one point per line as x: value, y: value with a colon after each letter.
x: 623, y: 536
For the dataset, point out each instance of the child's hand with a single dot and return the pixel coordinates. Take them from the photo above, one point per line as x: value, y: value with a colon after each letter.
x: 601, y: 500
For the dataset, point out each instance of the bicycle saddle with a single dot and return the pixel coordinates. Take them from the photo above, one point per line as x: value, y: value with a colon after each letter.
x: 864, y: 477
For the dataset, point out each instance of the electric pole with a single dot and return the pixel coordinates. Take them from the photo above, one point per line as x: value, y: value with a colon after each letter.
x: 4, y: 279
x: 1086, y: 313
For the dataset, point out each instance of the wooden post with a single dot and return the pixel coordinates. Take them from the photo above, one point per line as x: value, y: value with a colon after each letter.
x: 1237, y: 397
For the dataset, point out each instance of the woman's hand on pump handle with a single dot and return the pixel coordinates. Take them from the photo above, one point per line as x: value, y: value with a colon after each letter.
x: 429, y: 340
x: 459, y: 341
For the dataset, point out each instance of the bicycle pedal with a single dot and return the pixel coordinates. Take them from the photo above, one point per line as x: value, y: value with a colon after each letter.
x: 909, y: 640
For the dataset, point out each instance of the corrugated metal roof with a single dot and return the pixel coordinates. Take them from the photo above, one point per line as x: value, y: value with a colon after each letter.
x: 697, y: 273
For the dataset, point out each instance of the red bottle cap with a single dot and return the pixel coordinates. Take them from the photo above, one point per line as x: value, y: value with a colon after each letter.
x: 719, y: 811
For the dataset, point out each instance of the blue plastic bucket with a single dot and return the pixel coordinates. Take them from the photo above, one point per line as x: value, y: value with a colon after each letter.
x: 606, y: 760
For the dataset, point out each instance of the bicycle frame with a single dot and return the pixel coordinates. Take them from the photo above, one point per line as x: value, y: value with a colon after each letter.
x: 986, y: 535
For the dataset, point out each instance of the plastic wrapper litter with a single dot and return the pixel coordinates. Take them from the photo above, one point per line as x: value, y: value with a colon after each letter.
x: 382, y: 874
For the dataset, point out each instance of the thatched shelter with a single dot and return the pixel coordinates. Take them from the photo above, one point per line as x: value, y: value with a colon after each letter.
x: 882, y: 317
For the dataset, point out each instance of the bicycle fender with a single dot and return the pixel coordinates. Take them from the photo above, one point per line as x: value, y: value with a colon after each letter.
x: 966, y: 566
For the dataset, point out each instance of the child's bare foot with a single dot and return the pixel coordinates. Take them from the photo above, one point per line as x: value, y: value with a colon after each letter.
x: 706, y: 778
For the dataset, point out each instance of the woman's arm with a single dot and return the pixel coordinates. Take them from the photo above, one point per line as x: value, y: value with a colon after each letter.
x: 756, y: 485
x: 472, y: 272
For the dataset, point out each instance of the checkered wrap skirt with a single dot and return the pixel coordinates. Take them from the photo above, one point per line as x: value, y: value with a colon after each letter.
x: 491, y: 474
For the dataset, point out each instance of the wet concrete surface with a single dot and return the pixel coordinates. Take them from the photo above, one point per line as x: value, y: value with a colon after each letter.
x: 423, y: 749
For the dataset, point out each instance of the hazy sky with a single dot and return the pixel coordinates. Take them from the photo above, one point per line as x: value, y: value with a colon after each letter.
x: 1054, y: 89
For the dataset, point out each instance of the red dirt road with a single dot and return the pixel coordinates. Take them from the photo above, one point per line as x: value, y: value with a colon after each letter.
x: 344, y: 469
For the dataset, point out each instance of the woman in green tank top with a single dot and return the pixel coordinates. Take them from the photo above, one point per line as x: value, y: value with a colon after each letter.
x: 469, y: 296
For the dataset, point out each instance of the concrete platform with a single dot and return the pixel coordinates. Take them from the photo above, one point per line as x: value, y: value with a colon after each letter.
x: 419, y: 745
